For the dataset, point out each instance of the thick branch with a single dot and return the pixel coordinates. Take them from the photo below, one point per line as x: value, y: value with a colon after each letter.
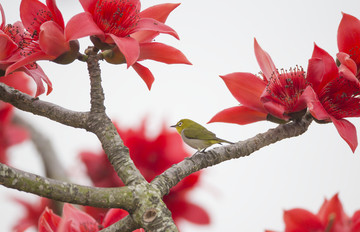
x: 46, y: 109
x: 176, y: 173
x: 61, y: 191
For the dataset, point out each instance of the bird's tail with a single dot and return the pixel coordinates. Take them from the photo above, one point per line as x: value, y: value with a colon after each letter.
x: 225, y: 141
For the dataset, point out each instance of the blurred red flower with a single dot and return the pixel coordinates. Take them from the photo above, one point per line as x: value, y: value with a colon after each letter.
x: 75, y: 220
x: 330, y: 218
x: 11, y: 134
x: 32, y: 213
x: 152, y: 156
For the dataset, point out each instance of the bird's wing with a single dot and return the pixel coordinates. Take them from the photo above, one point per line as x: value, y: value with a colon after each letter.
x: 197, y: 133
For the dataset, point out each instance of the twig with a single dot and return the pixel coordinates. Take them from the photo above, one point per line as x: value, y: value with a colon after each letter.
x: 36, y: 106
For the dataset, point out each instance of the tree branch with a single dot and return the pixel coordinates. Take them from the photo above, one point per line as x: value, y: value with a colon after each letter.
x: 121, y: 197
x: 36, y: 106
x: 200, y: 160
x: 101, y: 125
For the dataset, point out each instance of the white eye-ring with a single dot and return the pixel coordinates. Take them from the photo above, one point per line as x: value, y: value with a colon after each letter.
x: 180, y: 124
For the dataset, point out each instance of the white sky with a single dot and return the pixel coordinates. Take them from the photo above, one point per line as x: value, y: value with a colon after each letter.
x: 248, y: 194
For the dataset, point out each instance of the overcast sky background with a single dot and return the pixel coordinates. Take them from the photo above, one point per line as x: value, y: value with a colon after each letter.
x: 247, y: 194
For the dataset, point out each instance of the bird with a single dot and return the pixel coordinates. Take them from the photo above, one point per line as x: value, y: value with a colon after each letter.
x: 197, y: 136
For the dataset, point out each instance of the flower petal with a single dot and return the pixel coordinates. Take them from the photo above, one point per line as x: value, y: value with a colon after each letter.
x: 348, y: 36
x: 195, y: 213
x: 276, y: 109
x: 17, y: 80
x: 347, y: 61
x: 48, y: 221
x: 264, y: 60
x: 3, y: 21
x: 314, y: 105
x: 76, y: 219
x: 38, y: 75
x: 88, y: 5
x: 315, y: 73
x: 144, y: 73
x: 52, y: 40
x: 129, y: 47
x: 302, y: 220
x: 27, y: 60
x: 7, y: 46
x: 33, y: 13
x: 149, y: 24
x: 158, y: 12
x: 162, y: 53
x: 347, y: 131
x: 330, y: 68
x: 114, y: 215
x: 239, y: 114
x: 82, y: 25
x: 333, y: 208
x: 246, y: 88
x: 56, y: 14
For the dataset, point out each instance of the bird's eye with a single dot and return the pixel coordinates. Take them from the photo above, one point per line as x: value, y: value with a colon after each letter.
x: 180, y: 124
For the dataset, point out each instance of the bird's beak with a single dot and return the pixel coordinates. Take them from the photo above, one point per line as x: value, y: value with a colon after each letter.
x: 173, y: 125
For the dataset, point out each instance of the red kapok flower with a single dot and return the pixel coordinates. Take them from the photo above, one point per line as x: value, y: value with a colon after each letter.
x: 44, y: 37
x: 152, y: 157
x: 331, y: 217
x: 32, y: 215
x: 274, y: 96
x: 113, y: 21
x: 335, y: 92
x: 348, y: 38
x: 121, y: 24
x: 12, y: 40
x: 72, y: 220
x: 75, y: 220
x: 11, y: 134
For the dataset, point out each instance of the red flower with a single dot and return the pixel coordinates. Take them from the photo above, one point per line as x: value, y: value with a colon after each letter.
x: 72, y: 220
x: 48, y: 221
x: 47, y: 41
x: 276, y: 94
x: 348, y: 38
x: 11, y: 134
x: 32, y: 215
x: 152, y: 157
x: 12, y: 40
x: 335, y: 92
x: 330, y: 218
x: 75, y: 220
x: 120, y: 23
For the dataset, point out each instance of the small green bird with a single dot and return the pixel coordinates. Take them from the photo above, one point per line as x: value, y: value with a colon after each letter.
x: 197, y: 136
